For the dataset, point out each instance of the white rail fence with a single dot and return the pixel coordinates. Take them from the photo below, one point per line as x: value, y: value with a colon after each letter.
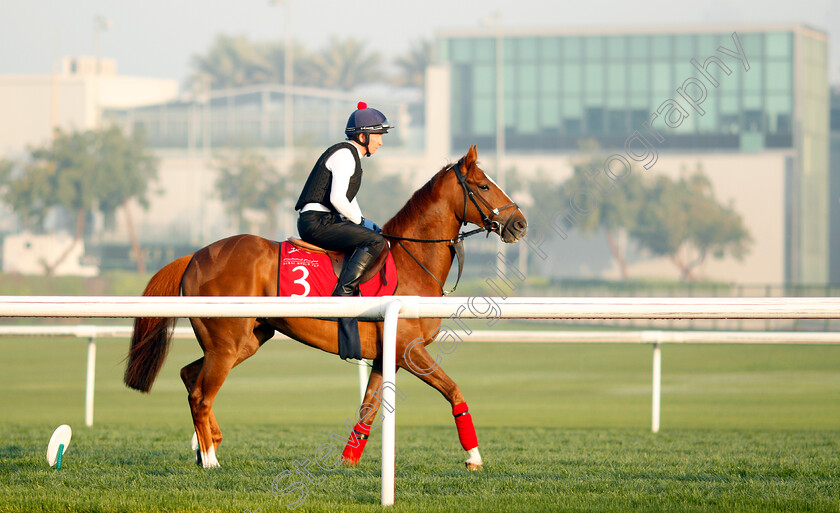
x: 392, y: 308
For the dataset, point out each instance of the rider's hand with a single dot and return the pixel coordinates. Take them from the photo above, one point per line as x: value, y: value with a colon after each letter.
x: 370, y: 225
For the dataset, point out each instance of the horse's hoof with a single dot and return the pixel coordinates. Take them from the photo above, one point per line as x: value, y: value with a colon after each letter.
x: 472, y: 466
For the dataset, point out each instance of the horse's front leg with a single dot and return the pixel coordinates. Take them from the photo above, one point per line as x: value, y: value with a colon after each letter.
x: 419, y: 362
x: 367, y: 413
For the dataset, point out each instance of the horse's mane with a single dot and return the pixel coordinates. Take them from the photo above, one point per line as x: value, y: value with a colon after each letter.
x: 416, y: 206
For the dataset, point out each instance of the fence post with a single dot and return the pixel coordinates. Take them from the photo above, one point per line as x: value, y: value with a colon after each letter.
x: 656, y: 386
x: 389, y: 377
x: 91, y: 378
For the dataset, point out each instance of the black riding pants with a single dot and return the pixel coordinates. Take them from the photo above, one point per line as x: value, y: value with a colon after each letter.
x: 330, y: 231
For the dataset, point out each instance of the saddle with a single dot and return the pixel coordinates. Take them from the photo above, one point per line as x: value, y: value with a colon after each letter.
x: 338, y: 257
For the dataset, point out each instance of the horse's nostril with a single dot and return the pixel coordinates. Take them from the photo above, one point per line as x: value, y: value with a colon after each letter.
x: 520, y: 225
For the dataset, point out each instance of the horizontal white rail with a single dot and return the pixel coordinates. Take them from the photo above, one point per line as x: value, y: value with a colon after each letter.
x: 501, y: 336
x: 475, y: 307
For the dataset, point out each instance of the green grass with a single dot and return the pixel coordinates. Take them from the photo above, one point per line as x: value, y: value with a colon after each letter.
x: 561, y: 427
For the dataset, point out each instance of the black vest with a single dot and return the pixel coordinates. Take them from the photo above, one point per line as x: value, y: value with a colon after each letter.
x: 319, y: 183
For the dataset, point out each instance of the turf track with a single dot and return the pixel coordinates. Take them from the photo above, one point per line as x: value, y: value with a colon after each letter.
x: 562, y: 428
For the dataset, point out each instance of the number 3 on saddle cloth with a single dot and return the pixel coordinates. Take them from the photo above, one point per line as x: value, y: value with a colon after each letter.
x: 306, y: 270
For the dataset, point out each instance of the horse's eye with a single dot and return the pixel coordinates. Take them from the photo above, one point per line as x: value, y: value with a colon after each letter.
x: 484, y: 187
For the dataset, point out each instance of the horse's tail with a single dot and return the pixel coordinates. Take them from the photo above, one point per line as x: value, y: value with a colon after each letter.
x: 150, y: 341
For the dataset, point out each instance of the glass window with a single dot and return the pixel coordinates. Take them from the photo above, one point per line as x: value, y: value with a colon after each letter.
x: 684, y: 47
x: 753, y: 79
x: 639, y: 77
x: 778, y: 108
x: 778, y: 44
x: 594, y: 48
x: 594, y: 78
x: 616, y: 78
x: 527, y: 80
x: 527, y: 122
x: 753, y: 45
x: 752, y: 100
x: 550, y: 112
x: 528, y: 49
x: 729, y: 104
x: 707, y: 46
x: 485, y: 50
x: 484, y: 79
x: 509, y: 86
x: 708, y: 122
x: 617, y: 100
x: 443, y: 50
x: 778, y: 75
x: 484, y: 116
x: 572, y: 49
x: 550, y: 79
x: 572, y: 107
x: 663, y: 81
x: 638, y: 117
x: 641, y: 101
x: 572, y: 78
x: 617, y: 121
x: 661, y: 47
x: 728, y: 83
x: 509, y: 50
x: 639, y: 48
x: 616, y: 48
x: 461, y: 50
x: 594, y: 120
x: 550, y: 48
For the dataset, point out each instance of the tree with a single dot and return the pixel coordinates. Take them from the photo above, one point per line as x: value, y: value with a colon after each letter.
x: 412, y: 66
x: 683, y: 221
x: 611, y: 205
x: 249, y: 182
x: 232, y: 61
x: 345, y: 64
x: 80, y: 172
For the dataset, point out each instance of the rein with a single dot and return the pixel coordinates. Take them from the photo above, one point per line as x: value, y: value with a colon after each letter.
x: 456, y: 243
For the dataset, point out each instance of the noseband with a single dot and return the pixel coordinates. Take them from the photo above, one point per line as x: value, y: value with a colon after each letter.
x: 489, y: 225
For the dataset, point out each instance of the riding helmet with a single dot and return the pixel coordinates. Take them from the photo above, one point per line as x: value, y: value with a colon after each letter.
x: 367, y: 120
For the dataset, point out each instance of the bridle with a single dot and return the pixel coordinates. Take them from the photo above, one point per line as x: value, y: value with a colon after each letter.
x: 456, y: 243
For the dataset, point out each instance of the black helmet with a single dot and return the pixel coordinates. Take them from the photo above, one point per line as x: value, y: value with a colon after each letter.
x: 367, y: 120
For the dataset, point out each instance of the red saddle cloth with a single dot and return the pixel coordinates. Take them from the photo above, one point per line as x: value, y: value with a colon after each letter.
x: 305, y: 273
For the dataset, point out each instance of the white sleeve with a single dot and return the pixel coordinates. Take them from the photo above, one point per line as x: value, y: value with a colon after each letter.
x: 342, y: 165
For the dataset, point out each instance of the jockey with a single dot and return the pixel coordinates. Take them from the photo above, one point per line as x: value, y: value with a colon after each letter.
x: 330, y: 216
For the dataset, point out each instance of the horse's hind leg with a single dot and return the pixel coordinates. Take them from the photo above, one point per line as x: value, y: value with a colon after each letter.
x: 241, y: 338
x: 189, y: 375
x: 421, y: 364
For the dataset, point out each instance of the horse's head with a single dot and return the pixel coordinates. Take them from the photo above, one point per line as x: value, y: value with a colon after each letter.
x: 485, y: 203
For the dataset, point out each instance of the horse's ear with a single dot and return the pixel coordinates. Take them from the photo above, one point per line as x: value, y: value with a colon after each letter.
x: 471, y: 157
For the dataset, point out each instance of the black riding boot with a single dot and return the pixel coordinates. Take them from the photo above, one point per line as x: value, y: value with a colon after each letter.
x: 351, y: 274
x: 349, y: 343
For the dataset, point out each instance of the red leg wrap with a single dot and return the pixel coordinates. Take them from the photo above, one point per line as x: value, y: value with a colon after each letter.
x: 464, y: 423
x: 356, y: 444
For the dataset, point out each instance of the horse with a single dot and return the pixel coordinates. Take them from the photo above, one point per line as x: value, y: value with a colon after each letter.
x: 426, y: 230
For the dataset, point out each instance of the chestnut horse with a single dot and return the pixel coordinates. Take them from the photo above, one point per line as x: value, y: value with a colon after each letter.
x: 247, y: 265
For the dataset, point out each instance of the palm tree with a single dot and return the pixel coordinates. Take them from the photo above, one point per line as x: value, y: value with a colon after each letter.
x: 230, y: 62
x: 344, y: 64
x: 412, y: 66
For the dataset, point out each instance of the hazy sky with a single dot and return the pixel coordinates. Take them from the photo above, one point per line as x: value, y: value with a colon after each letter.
x: 157, y: 38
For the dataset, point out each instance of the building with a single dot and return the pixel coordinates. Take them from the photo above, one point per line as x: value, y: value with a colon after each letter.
x: 71, y: 99
x: 748, y: 103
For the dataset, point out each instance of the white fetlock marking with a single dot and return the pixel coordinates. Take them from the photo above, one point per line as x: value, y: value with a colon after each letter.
x: 208, y: 458
x: 475, y: 457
